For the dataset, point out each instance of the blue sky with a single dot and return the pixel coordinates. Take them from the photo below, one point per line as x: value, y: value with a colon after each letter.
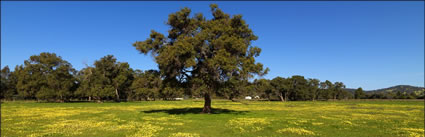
x: 363, y: 44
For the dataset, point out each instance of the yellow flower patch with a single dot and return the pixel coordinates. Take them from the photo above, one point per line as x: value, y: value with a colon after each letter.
x: 248, y: 124
x: 180, y: 134
x: 348, y: 123
x: 146, y: 130
x: 414, y: 132
x: 298, y: 131
x: 317, y: 124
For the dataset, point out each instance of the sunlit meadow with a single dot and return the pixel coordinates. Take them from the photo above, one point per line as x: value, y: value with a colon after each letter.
x: 182, y: 119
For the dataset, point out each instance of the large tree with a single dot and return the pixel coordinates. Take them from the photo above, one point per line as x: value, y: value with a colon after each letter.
x: 209, y: 52
x: 107, y: 79
x: 46, y: 77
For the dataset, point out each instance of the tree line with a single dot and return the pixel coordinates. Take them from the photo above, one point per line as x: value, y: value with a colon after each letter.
x: 48, y: 77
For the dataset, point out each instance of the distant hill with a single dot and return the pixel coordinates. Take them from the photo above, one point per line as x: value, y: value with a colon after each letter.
x: 350, y: 90
x: 405, y: 89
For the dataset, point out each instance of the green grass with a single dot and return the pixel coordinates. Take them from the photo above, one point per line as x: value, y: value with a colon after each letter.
x: 182, y: 118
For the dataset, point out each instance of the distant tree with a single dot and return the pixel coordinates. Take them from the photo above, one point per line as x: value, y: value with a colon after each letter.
x: 359, y: 93
x: 314, y: 90
x: 239, y: 87
x: 46, y: 77
x: 123, y: 79
x: 280, y: 87
x: 346, y: 95
x: 298, y: 88
x: 327, y: 89
x: 390, y: 95
x: 338, y: 91
x: 234, y: 88
x: 250, y: 89
x: 412, y: 95
x: 170, y: 91
x: 209, y: 52
x: 5, y: 73
x: 61, y: 83
x: 86, y: 79
x: 263, y: 86
x: 8, y: 83
x: 400, y: 95
x: 108, y: 79
x: 30, y: 80
x: 146, y: 85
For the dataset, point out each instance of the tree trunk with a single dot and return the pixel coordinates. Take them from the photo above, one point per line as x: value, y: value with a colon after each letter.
x: 118, y: 96
x: 281, y: 97
x: 207, y: 105
x: 89, y: 98
x: 230, y: 97
x: 99, y: 100
x: 268, y: 97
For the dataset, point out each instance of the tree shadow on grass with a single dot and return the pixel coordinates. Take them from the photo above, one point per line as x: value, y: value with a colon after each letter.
x: 179, y: 111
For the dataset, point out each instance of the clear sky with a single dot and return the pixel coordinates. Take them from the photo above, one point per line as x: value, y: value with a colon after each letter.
x: 363, y: 44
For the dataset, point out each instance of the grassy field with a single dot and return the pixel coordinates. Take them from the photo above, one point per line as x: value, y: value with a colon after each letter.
x: 246, y: 118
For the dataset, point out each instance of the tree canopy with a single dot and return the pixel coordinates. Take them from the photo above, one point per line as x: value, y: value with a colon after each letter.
x: 198, y: 51
x: 45, y: 76
x: 107, y: 79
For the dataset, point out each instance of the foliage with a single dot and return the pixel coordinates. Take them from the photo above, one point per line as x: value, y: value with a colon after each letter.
x: 146, y: 85
x: 48, y: 77
x: 108, y: 79
x: 298, y: 88
x: 200, y: 52
x: 263, y: 87
x: 8, y: 83
x: 45, y: 77
x: 359, y: 93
